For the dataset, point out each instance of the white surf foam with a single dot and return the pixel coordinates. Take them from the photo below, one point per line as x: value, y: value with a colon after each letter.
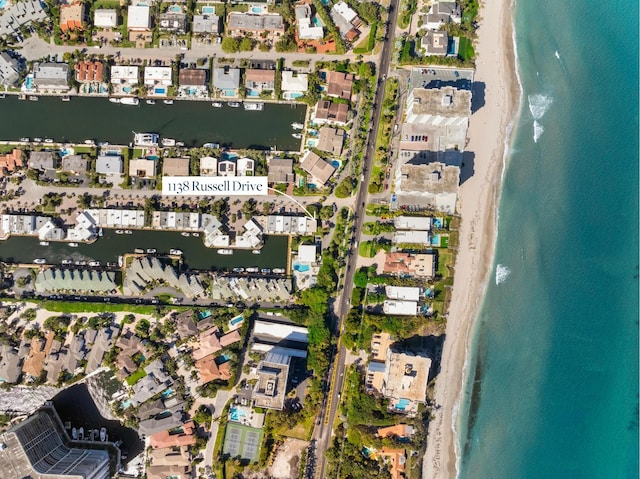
x: 502, y: 272
x: 557, y: 55
x: 538, y: 130
x: 539, y: 104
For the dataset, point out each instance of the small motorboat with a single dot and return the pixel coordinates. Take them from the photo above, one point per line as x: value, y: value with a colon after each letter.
x: 48, y: 140
x: 74, y: 434
x: 33, y: 98
x: 44, y: 243
x: 119, y: 232
x: 128, y: 232
x: 297, y: 126
x: 67, y: 262
x: 151, y: 251
x: 120, y: 261
x: 265, y: 271
x: 297, y: 136
x: 138, y: 251
x: 225, y: 251
x: 252, y: 270
x: 73, y: 245
x: 167, y: 102
x: 184, y: 233
x: 103, y: 434
x: 176, y: 252
x: 256, y: 251
x: 278, y: 270
x: 217, y: 104
x: 37, y: 140
x: 114, y: 100
x: 89, y: 142
x: 24, y: 139
x: 195, y: 234
x: 81, y: 430
x: 151, y: 102
x: 238, y: 270
x: 94, y: 264
x: 66, y: 98
x: 234, y: 104
x: 81, y: 263
x: 40, y: 261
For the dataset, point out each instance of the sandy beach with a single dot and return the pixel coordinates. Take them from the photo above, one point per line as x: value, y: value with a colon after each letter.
x: 489, y: 126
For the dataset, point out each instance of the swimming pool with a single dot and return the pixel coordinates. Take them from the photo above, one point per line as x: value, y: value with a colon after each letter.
x: 204, y: 314
x: 257, y: 9
x: 166, y: 393
x: 435, y: 240
x: 228, y: 93
x: 437, y: 222
x: 317, y: 22
x: 292, y: 95
x: 29, y: 82
x: 402, y: 404
x: 160, y: 91
x: 301, y: 268
x: 236, y: 320
x: 312, y: 143
x: 208, y: 10
x: 228, y: 156
x: 175, y: 9
x: 3, y: 3
x: 236, y: 414
x: 125, y: 404
x: 127, y: 89
x: 223, y: 358
x: 253, y: 93
x: 336, y: 164
x: 192, y: 91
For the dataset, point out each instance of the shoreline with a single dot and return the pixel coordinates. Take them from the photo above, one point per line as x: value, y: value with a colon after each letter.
x: 478, y: 203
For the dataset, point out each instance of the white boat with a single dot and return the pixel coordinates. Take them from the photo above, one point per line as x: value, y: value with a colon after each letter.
x: 74, y: 434
x: 89, y: 142
x: 66, y: 98
x: 252, y: 270
x: 297, y: 136
x: 254, y: 106
x: 120, y: 261
x: 81, y: 434
x: 151, y: 251
x: 179, y: 143
x: 119, y: 232
x: 211, y: 145
x: 44, y: 243
x: 238, y: 270
x: 151, y: 102
x: 225, y: 251
x: 48, y: 140
x: 94, y: 263
x: 256, y: 251
x: 103, y: 434
x: 167, y: 102
x: 114, y: 100
x: 297, y: 126
x: 234, y: 104
x: 177, y: 252
x: 73, y: 245
x: 145, y: 139
x: 184, y: 233
x: 217, y: 104
x: 278, y: 270
x: 67, y: 262
x: 195, y: 234
x: 138, y: 251
x: 33, y: 98
x: 81, y: 263
x: 265, y: 271
x: 129, y: 101
x: 25, y: 139
x: 37, y: 140
x: 168, y: 142
x: 40, y: 261
x: 128, y: 232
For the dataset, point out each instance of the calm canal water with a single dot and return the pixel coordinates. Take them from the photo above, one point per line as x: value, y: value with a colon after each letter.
x: 107, y: 249
x: 192, y: 122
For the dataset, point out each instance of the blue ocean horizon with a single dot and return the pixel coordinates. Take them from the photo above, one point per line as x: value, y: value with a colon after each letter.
x: 553, y: 386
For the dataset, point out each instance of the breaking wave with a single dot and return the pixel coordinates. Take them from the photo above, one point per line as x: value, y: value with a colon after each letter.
x: 502, y: 272
x: 539, y: 104
x: 537, y: 131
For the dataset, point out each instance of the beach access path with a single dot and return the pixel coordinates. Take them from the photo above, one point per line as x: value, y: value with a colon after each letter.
x: 495, y: 97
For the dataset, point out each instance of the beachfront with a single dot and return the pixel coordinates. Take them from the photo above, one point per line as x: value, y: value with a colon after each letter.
x: 489, y: 129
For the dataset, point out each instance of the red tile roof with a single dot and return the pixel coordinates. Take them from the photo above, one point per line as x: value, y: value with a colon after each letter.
x: 88, y: 71
x: 164, y: 439
x: 11, y: 161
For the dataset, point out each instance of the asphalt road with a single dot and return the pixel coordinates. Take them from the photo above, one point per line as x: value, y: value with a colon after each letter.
x: 324, y: 433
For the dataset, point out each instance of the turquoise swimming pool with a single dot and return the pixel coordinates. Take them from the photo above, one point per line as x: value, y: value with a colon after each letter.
x: 175, y: 9
x: 301, y: 268
x: 204, y: 314
x: 209, y: 10
x: 435, y: 240
x: 166, y: 393
x: 236, y: 414
x: 236, y: 320
x: 402, y: 404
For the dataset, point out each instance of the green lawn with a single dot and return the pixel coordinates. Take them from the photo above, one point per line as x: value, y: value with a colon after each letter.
x: 465, y: 50
x: 81, y: 307
x: 135, y: 377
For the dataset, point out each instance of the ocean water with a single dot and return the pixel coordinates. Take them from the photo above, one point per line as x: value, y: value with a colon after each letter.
x: 553, y: 388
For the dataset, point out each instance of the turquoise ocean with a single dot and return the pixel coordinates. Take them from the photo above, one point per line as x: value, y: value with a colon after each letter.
x: 553, y: 374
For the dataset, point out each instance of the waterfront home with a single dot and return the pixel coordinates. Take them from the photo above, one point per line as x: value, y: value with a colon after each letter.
x: 139, y: 24
x: 43, y: 160
x: 254, y: 289
x: 294, y: 225
x: 243, y: 24
x: 435, y: 43
x: 10, y: 364
x: 327, y: 111
x: 412, y: 223
x: 406, y: 379
x: 173, y: 21
x: 294, y: 85
x: 257, y: 81
x: 193, y: 83
x: 75, y: 164
x: 339, y: 84
x: 171, y: 461
x: 270, y: 390
x: 207, y: 343
x: 318, y: 169
x: 16, y: 14
x: 109, y: 165
x: 399, y: 431
x: 395, y: 459
x: 72, y: 16
x: 330, y: 140
x: 280, y: 170
x: 208, y: 166
x: 55, y: 279
x: 170, y: 419
x: 105, y: 18
x: 185, y: 325
x: 413, y: 237
x: 130, y: 345
x: 206, y: 24
x: 421, y: 265
x: 51, y: 76
x: 154, y: 382
x: 88, y: 71
x: 171, y: 439
x: 439, y: 15
x: 175, y: 166
x: 142, y: 168
x: 124, y: 78
x: 209, y: 370
x: 305, y: 268
x: 307, y: 30
x: 31, y: 225
x: 346, y: 20
x: 433, y: 186
x: 226, y: 80
x: 176, y: 220
x: 116, y: 218
x: 403, y: 293
x: 400, y: 308
x: 173, y: 471
x: 231, y: 166
x: 10, y: 67
x: 38, y: 350
x: 158, y: 80
x: 145, y: 270
x: 11, y: 162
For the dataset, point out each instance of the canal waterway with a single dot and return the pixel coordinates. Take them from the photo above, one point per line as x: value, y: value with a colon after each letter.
x: 193, y: 122
x: 75, y: 405
x: 19, y: 249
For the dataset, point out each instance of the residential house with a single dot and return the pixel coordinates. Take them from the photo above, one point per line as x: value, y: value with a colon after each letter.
x: 281, y: 170
x: 170, y: 419
x: 208, y: 343
x: 400, y: 431
x: 329, y: 112
x: 172, y: 471
x: 139, y: 24
x: 422, y: 265
x: 294, y: 84
x: 206, y: 24
x: 440, y: 14
x: 10, y: 68
x: 307, y: 30
x: 166, y: 439
x: 174, y: 22
x: 38, y: 350
x: 403, y: 293
x: 193, y: 77
x: 142, y: 168
x: 104, y: 340
x: 130, y: 345
x: 400, y: 308
x: 185, y: 325
x: 11, y: 162
x: 319, y: 169
x: 395, y: 459
x: 16, y: 14
x: 10, y: 364
x: 72, y: 16
x: 245, y: 166
x: 242, y: 24
x: 339, y: 84
x: 256, y: 81
x: 295, y: 225
x: 227, y: 80
x: 151, y: 409
x: 124, y: 78
x: 175, y: 167
x: 158, y: 80
x: 209, y: 370
x: 51, y: 76
x: 209, y: 166
x: 43, y: 160
x: 109, y: 165
x: 156, y: 381
x: 75, y: 164
x: 435, y: 43
x: 331, y: 140
x: 88, y: 71
x: 346, y: 20
x: 105, y: 18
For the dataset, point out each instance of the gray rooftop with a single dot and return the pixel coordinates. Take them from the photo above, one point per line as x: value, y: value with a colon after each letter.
x: 445, y: 101
x: 435, y: 178
x: 226, y: 78
x: 247, y: 21
x: 206, y: 24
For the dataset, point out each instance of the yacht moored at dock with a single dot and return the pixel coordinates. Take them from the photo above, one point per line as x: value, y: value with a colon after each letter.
x: 145, y: 139
x: 73, y: 245
x: 114, y: 100
x: 176, y: 252
x: 130, y: 101
x: 297, y: 126
x: 44, y: 243
x: 234, y: 104
x: 254, y: 106
x: 297, y: 136
x: 217, y: 104
x: 40, y: 261
x: 151, y: 102
x: 168, y: 142
x: 225, y: 251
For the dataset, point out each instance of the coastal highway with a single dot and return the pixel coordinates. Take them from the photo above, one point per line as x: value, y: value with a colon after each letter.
x: 324, y: 429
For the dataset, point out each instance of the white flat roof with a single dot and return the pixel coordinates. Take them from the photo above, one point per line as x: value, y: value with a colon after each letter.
x: 281, y: 331
x: 138, y: 17
x: 412, y: 223
x: 307, y: 253
x: 401, y: 308
x: 403, y: 293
